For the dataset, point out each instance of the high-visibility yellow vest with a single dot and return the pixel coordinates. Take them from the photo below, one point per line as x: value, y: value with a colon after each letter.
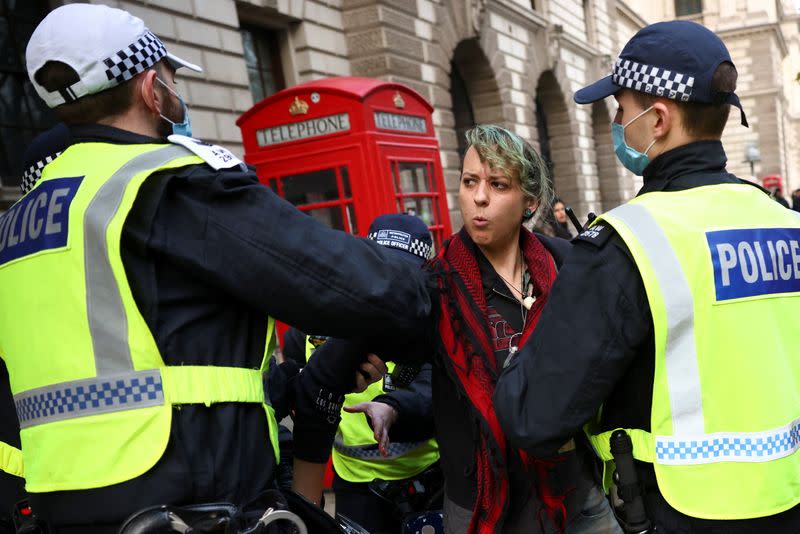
x: 11, y: 460
x: 721, y: 267
x: 355, y: 452
x: 93, y: 395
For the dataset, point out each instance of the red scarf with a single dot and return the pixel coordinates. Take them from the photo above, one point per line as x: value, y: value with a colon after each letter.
x: 470, y: 359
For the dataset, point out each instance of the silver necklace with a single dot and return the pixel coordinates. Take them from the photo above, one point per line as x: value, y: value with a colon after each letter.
x: 527, y: 299
x: 525, y: 306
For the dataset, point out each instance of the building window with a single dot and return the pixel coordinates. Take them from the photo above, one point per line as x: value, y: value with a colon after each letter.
x: 23, y: 115
x: 262, y: 54
x: 688, y: 7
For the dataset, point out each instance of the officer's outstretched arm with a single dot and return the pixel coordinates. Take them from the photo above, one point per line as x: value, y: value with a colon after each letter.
x: 260, y: 249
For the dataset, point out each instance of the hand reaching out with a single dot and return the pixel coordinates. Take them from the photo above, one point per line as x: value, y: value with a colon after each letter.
x: 382, y: 416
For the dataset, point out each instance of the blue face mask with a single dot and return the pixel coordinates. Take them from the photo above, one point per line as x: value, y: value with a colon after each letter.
x: 185, y: 126
x: 631, y: 159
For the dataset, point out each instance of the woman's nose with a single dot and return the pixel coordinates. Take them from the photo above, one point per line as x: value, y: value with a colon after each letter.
x: 481, y: 193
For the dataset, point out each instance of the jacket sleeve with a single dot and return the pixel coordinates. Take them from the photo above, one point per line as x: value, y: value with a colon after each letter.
x: 228, y: 230
x: 414, y: 406
x: 595, y: 320
x: 319, y: 396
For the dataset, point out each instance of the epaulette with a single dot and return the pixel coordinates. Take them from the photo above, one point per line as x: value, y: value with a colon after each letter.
x: 596, y: 234
x: 216, y: 156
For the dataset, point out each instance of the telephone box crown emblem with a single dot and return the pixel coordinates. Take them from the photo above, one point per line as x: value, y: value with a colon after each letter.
x: 298, y: 107
x: 398, y: 100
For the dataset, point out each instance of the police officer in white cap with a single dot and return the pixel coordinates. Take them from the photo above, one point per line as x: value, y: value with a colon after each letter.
x: 139, y: 278
x: 676, y: 311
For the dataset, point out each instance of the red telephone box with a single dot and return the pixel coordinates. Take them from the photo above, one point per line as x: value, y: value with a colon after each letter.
x: 345, y: 150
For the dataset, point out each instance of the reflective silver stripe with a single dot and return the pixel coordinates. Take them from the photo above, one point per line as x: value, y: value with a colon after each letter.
x: 108, y: 322
x: 729, y: 446
x: 371, y: 452
x: 92, y: 396
x: 683, y: 374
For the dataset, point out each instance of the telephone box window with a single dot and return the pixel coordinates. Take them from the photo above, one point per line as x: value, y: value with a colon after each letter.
x: 323, y: 194
x: 416, y: 194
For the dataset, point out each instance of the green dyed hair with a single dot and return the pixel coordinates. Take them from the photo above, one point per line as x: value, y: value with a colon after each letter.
x: 510, y: 154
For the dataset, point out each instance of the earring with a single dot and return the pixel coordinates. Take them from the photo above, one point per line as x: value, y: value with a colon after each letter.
x: 528, y: 213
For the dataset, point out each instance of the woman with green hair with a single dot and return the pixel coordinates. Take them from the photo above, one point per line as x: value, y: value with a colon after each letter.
x: 491, y: 280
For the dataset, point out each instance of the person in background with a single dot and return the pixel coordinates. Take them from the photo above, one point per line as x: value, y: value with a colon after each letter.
x: 796, y: 200
x: 561, y: 221
x: 777, y: 194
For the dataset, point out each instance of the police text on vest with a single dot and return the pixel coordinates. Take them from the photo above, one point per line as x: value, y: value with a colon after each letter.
x: 756, y: 261
x: 39, y: 221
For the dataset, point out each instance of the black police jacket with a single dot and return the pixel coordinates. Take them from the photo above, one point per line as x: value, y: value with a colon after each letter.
x: 594, y: 343
x: 209, y: 255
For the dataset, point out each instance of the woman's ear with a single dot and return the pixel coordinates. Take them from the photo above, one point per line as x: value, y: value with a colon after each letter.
x: 530, y: 208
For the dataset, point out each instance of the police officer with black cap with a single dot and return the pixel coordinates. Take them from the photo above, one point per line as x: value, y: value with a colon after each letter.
x: 675, y: 311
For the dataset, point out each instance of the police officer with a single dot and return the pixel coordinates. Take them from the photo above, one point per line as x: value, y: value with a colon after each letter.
x: 140, y: 274
x: 676, y: 311
x: 358, y: 458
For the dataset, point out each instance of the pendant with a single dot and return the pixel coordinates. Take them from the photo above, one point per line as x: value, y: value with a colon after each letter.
x: 528, y: 302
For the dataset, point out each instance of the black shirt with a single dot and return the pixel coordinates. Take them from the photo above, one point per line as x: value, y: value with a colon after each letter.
x: 594, y: 344
x: 209, y: 256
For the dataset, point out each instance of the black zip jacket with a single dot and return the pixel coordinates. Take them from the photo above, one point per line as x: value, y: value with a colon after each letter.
x: 209, y: 255
x: 594, y: 346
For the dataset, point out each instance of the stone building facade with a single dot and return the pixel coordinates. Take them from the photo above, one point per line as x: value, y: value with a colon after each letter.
x: 513, y: 62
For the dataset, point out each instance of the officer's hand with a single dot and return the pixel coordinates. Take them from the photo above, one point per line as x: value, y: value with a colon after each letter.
x: 369, y: 372
x: 382, y: 416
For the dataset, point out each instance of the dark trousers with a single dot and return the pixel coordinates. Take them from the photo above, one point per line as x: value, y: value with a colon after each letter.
x: 357, y: 502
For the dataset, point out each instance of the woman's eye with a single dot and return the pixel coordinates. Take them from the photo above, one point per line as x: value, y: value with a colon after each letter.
x: 468, y: 181
x: 502, y: 186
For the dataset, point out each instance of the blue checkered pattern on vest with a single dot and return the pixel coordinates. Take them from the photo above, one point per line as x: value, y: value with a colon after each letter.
x: 91, y: 397
x: 746, y: 447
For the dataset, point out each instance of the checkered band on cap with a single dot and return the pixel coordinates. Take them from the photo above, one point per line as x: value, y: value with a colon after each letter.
x: 652, y: 80
x: 34, y: 172
x: 416, y: 247
x: 135, y: 58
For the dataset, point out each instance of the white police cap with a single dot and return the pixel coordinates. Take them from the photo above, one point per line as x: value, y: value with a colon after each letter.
x: 105, y: 47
